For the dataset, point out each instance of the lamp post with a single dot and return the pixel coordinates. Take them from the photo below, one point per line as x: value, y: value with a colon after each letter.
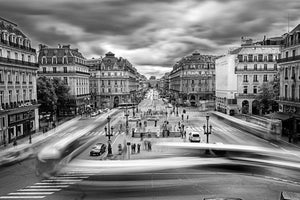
x: 109, y: 133
x: 207, y: 129
x: 126, y: 115
x: 28, y: 125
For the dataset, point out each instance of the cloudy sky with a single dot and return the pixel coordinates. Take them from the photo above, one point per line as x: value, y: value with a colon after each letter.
x: 151, y: 34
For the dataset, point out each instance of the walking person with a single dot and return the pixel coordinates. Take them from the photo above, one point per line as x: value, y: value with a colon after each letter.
x: 138, y: 148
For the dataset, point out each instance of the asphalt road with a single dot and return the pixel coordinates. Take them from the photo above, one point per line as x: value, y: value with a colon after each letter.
x: 243, y: 181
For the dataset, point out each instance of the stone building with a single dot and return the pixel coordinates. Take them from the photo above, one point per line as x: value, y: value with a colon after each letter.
x: 256, y: 64
x: 117, y: 81
x: 289, y: 100
x: 69, y: 65
x: 18, y: 74
x: 192, y: 81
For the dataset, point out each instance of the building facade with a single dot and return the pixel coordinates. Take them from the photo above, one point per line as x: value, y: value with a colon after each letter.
x: 93, y: 65
x: 289, y: 100
x: 226, y: 84
x: 117, y: 81
x: 18, y: 74
x: 68, y: 65
x: 192, y: 80
x: 257, y: 64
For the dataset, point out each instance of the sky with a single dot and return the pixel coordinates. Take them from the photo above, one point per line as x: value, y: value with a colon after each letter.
x: 152, y: 34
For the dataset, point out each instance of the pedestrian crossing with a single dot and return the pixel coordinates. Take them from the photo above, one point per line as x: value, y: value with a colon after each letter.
x: 46, y: 187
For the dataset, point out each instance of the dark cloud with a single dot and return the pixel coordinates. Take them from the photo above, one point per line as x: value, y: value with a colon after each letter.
x: 152, y: 34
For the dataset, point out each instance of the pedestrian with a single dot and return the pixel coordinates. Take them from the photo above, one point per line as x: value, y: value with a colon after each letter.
x: 15, y: 142
x: 182, y: 117
x: 138, y: 148
x: 149, y: 146
x: 187, y: 117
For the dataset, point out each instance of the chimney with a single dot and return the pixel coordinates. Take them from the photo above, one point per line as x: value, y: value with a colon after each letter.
x: 59, y: 46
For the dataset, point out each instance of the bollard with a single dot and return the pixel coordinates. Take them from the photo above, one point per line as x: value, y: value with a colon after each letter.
x: 128, y: 150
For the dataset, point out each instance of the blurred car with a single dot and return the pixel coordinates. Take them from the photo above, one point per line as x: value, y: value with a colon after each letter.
x: 98, y: 149
x: 94, y: 114
x: 194, y: 137
x: 105, y: 110
x: 100, y: 111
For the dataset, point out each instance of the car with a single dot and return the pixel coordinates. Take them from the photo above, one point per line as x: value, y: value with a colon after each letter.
x: 194, y: 137
x: 100, y: 111
x: 94, y: 114
x: 98, y: 149
x: 106, y: 110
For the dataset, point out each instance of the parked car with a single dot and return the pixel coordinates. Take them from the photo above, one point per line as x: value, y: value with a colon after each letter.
x: 194, y: 137
x: 98, y: 149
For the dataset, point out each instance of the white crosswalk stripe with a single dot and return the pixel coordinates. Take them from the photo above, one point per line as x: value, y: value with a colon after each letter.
x: 46, y: 187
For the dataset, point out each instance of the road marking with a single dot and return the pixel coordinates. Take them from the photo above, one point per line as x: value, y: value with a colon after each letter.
x: 48, y: 186
x: 52, y: 183
x: 30, y: 193
x: 71, y: 177
x: 63, y: 180
x: 40, y: 190
x: 22, y: 197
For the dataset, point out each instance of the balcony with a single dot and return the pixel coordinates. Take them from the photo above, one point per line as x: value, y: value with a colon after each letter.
x: 15, y: 45
x: 18, y: 104
x: 18, y: 62
x: 255, y: 70
x: 289, y: 99
x: 289, y: 59
x: 246, y: 96
x: 63, y: 72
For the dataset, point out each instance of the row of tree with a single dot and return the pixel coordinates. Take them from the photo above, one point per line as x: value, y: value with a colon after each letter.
x: 53, y: 95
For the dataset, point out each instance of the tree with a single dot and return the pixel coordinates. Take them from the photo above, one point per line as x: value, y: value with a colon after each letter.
x: 267, y: 95
x: 46, y: 95
x: 64, y: 98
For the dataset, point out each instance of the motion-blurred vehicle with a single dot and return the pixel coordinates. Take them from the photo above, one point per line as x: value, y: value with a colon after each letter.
x: 100, y: 111
x: 98, y: 149
x: 194, y: 137
x: 105, y: 109
x: 94, y: 114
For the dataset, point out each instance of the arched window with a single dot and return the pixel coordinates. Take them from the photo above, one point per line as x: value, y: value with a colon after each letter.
x: 65, y: 60
x: 54, y: 60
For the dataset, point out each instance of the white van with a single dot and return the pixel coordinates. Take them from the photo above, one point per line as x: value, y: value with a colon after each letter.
x: 194, y: 137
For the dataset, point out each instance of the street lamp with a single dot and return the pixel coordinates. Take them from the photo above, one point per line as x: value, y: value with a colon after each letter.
x: 126, y: 115
x: 28, y: 125
x: 109, y: 133
x: 207, y: 129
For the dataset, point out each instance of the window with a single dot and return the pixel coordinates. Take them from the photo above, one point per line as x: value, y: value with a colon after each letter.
x: 287, y: 54
x: 102, y: 74
x: 102, y: 82
x: 109, y: 90
x: 285, y: 91
x: 240, y: 57
x: 102, y: 90
x: 116, y: 89
x: 254, y: 89
x: 293, y: 73
x: 255, y: 58
x: 294, y: 53
x: 65, y: 60
x: 1, y: 76
x: 245, y: 78
x: 44, y: 70
x: 265, y: 67
x: 245, y: 67
x: 108, y: 82
x: 245, y: 58
x: 16, y: 56
x: 24, y: 95
x: 8, y: 76
x: 30, y: 78
x: 193, y: 82
x: 22, y: 57
x: 29, y: 58
x: 275, y: 66
x: 17, y: 77
x: 1, y: 97
x: 250, y: 57
x: 108, y: 73
x: 30, y: 94
x: 66, y: 80
x: 116, y: 74
x: 44, y: 61
x: 10, y: 96
x: 265, y: 58
x: 24, y: 78
x: 255, y: 78
x: 116, y: 82
x: 255, y: 66
x: 0, y: 52
x: 265, y: 78
x: 245, y: 91
x: 8, y: 54
x: 260, y: 57
x: 54, y: 69
x: 17, y: 95
x: 270, y: 56
x: 65, y: 70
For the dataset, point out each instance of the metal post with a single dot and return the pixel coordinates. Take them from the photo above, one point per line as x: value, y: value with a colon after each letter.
x: 28, y: 116
x: 109, y: 132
